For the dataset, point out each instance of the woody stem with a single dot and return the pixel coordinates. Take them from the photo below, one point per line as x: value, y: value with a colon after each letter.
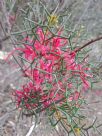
x: 88, y: 43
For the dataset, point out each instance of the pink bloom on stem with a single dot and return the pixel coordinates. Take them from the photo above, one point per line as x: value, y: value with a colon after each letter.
x: 74, y: 96
x: 29, y: 53
x: 49, y: 55
x: 70, y: 85
x: 86, y: 85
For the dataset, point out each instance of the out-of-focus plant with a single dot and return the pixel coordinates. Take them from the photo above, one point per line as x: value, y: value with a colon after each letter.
x: 57, y: 71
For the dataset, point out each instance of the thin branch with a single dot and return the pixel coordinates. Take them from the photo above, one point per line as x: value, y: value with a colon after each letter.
x: 31, y: 129
x: 88, y: 43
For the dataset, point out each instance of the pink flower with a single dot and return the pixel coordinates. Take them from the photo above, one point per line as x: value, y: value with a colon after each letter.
x: 29, y: 53
x: 47, y: 60
x: 70, y: 85
x: 74, y: 96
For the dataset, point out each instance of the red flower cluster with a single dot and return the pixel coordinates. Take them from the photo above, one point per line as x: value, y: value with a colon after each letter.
x: 52, y: 70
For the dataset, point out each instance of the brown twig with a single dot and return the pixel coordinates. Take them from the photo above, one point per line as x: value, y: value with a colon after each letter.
x: 2, y: 28
x: 88, y: 43
x: 5, y: 38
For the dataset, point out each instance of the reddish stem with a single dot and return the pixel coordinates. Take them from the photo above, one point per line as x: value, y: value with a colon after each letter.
x: 88, y: 43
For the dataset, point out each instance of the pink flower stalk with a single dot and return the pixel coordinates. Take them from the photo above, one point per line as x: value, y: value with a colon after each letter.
x: 53, y: 66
